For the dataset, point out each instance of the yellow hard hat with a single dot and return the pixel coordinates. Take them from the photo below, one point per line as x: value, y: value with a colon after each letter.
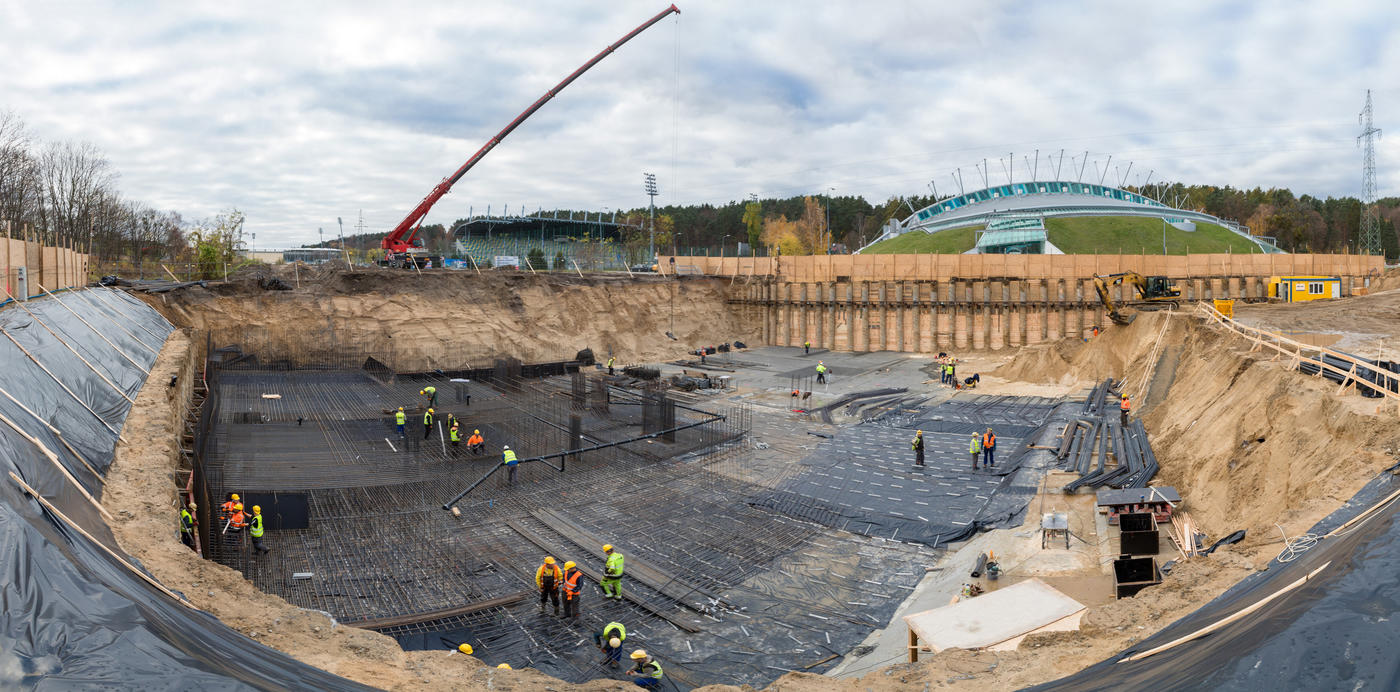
x: 549, y: 559
x: 918, y: 432
x: 504, y: 666
x: 639, y: 654
x: 569, y: 564
x: 257, y: 509
x: 614, y: 642
x: 465, y: 648
x: 420, y: 391
x: 234, y: 497
x: 430, y: 410
x: 607, y: 547
x: 476, y: 432
x: 238, y: 506
x: 400, y: 408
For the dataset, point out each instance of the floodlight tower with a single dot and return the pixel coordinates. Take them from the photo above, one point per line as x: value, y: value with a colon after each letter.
x: 651, y: 192
x: 1370, y: 215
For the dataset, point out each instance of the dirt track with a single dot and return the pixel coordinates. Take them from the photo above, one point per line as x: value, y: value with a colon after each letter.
x: 1366, y: 326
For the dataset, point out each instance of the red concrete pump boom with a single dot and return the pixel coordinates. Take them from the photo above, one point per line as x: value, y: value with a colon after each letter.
x: 398, y: 244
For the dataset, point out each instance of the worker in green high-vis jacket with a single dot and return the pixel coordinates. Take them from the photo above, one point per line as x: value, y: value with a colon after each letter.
x: 612, y: 574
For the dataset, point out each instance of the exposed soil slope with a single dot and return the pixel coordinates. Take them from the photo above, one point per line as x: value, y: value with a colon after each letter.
x: 454, y: 319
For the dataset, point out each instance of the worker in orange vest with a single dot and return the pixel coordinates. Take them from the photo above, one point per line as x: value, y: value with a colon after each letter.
x: 476, y: 442
x: 236, y: 522
x: 1123, y: 407
x: 547, y: 579
x: 571, y: 589
x: 226, y: 509
x: 989, y: 448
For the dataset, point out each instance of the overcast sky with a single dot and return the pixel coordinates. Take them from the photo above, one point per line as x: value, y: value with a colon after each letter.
x: 299, y: 112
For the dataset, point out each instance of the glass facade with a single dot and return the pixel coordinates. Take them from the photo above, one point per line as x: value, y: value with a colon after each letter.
x: 1021, y: 189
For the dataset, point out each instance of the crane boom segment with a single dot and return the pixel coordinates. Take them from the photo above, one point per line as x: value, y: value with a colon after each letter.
x: 398, y: 244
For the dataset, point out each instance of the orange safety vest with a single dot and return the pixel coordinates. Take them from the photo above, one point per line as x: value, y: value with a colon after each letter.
x: 1125, y: 405
x: 571, y: 583
x: 476, y: 440
x: 989, y: 441
x: 226, y: 509
x: 238, y: 520
x: 546, y: 570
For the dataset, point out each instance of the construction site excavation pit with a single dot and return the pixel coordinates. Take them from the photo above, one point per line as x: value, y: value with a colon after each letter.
x: 776, y: 529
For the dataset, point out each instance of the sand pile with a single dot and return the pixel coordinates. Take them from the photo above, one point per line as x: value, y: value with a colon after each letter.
x: 1247, y: 442
x: 447, y: 319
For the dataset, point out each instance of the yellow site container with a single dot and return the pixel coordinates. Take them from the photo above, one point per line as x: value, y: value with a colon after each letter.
x: 1226, y: 308
x: 1297, y: 289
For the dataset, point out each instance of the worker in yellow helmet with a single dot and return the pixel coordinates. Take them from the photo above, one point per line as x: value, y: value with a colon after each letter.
x: 646, y: 672
x: 431, y: 393
x: 547, y: 579
x: 612, y: 574
x: 427, y: 423
x: 255, y: 529
x: 571, y: 589
x: 400, y: 418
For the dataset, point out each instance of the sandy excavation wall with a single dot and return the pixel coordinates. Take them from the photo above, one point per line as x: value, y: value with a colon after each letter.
x: 445, y: 319
x: 1247, y: 442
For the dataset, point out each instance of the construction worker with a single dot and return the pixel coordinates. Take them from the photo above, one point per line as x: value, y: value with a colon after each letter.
x: 806, y: 348
x: 646, y: 672
x: 1124, y: 407
x: 547, y: 579
x: 255, y: 529
x: 918, y: 445
x: 431, y: 393
x: 609, y: 641
x: 612, y: 573
x: 476, y: 442
x: 989, y: 449
x: 187, y: 525
x: 611, y: 360
x: 948, y: 373
x: 226, y: 509
x: 952, y: 371
x: 236, y: 522
x: 571, y: 589
x: 821, y: 372
x: 451, y: 421
x: 427, y: 423
x: 974, y: 448
x: 399, y: 419
x: 455, y: 435
x: 510, y: 462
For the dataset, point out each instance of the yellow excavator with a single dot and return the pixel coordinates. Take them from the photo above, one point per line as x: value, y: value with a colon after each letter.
x: 1153, y: 293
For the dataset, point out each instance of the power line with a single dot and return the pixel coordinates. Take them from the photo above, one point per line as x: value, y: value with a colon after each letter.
x: 1370, y: 239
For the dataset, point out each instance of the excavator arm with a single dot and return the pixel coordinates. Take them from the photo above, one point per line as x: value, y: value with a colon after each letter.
x: 400, y: 239
x: 1153, y: 292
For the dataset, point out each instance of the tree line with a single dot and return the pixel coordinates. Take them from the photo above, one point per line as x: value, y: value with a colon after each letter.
x: 65, y: 194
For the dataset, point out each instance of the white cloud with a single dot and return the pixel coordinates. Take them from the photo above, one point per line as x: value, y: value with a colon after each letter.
x: 301, y: 112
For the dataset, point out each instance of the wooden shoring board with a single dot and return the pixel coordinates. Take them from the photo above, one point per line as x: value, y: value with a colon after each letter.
x: 596, y: 576
x: 686, y: 594
x: 468, y: 609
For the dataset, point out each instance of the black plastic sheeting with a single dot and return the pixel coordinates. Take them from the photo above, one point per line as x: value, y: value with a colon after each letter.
x: 72, y: 615
x: 1339, y: 630
x: 1382, y: 373
x: 863, y: 479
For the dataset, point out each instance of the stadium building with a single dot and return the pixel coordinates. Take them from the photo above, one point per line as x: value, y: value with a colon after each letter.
x: 1013, y: 216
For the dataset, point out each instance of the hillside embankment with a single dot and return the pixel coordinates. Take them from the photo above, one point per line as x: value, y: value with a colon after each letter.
x: 452, y: 319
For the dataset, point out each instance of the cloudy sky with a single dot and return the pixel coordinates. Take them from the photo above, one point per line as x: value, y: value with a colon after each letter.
x: 299, y: 112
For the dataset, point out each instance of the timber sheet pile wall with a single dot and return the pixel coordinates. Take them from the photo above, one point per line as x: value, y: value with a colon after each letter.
x: 929, y: 303
x: 52, y: 267
x: 810, y: 268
